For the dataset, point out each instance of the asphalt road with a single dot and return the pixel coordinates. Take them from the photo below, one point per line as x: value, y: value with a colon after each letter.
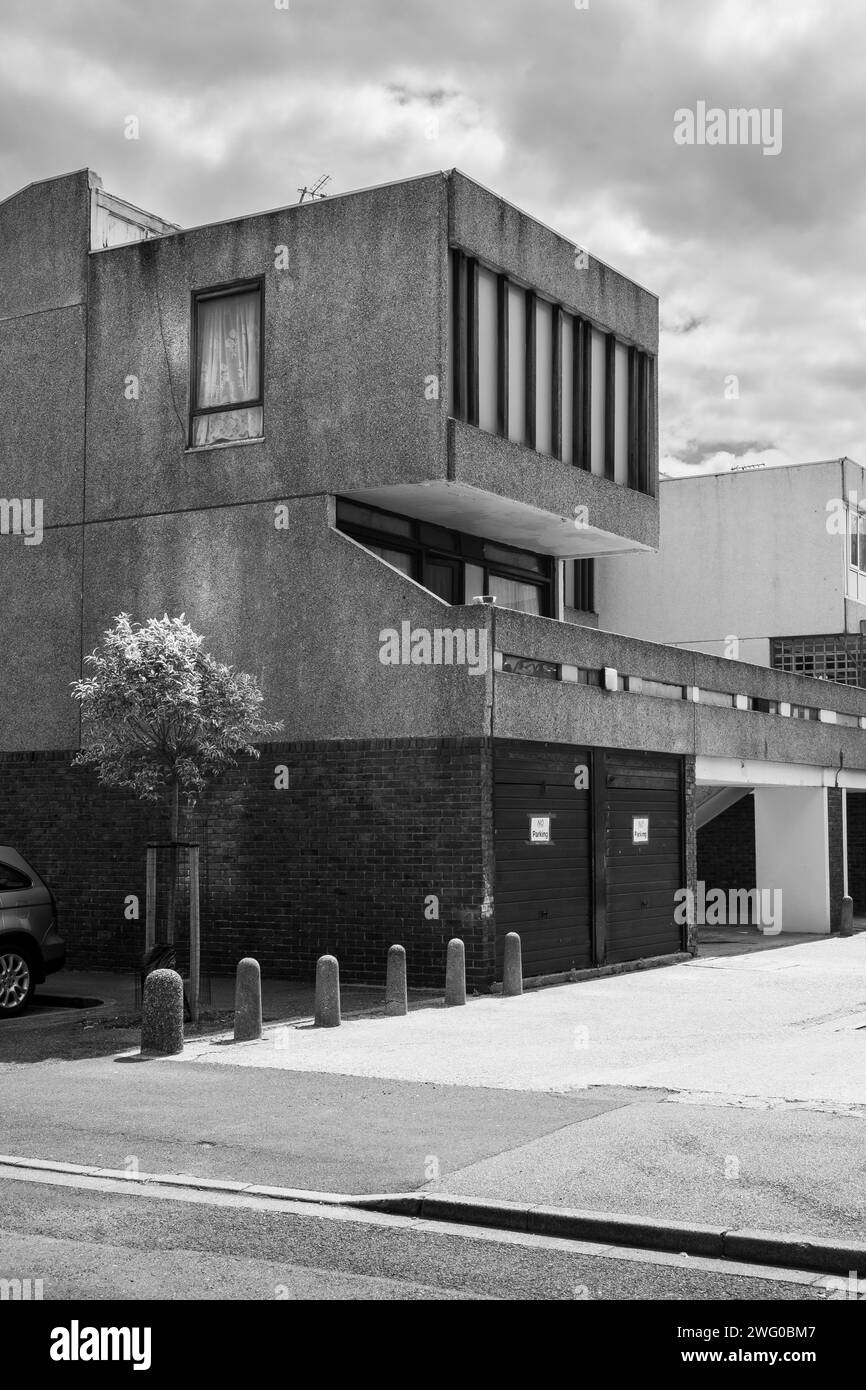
x: 726, y: 1092
x: 87, y: 1242
x: 619, y: 1149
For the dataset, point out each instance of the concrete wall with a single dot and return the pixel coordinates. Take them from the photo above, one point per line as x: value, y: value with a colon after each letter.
x: 792, y: 854
x: 745, y: 554
x: 301, y: 609
x: 501, y: 468
x: 508, y: 239
x: 511, y: 241
x: 353, y: 327
x: 529, y: 707
x: 44, y: 238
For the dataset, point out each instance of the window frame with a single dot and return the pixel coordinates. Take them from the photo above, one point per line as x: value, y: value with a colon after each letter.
x: 469, y: 551
x: 227, y: 291
x: 576, y: 450
x: 819, y: 656
x: 857, y: 527
x: 27, y: 881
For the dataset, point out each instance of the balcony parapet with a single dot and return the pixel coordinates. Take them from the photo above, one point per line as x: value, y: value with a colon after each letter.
x: 541, y: 647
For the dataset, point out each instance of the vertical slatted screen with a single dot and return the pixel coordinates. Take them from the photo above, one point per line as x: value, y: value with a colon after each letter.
x: 531, y: 371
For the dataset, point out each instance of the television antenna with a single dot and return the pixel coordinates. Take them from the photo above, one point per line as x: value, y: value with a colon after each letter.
x: 315, y: 192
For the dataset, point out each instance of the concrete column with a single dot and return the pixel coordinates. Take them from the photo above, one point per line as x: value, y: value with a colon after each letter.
x: 792, y: 854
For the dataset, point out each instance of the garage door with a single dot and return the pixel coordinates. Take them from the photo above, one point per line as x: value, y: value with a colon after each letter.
x: 543, y: 862
x: 643, y: 854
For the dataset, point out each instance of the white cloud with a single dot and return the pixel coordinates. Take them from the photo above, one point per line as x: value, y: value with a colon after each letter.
x: 758, y: 262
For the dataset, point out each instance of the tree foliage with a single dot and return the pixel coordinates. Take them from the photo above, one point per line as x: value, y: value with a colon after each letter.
x: 162, y: 716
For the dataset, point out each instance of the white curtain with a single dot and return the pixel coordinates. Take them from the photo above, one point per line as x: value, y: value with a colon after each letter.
x: 510, y: 593
x: 228, y: 367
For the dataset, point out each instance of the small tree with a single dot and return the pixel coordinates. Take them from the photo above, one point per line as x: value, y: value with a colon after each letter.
x: 163, y: 718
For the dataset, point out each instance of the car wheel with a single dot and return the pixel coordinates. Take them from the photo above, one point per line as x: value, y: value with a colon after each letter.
x: 17, y: 981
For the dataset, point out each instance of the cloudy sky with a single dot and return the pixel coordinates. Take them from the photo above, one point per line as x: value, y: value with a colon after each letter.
x: 759, y: 260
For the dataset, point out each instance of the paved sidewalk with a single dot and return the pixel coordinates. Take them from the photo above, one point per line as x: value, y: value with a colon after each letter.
x: 723, y: 1090
x: 281, y: 999
x: 777, y: 1026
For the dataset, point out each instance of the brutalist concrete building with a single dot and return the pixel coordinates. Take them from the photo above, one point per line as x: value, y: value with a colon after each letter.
x: 371, y: 446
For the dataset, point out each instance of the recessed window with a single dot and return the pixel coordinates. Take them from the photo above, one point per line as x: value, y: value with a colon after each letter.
x: 834, y: 657
x: 532, y: 371
x: 456, y: 567
x: 227, y: 401
x: 513, y: 593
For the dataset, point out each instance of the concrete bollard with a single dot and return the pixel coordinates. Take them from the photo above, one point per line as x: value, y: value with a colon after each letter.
x: 846, y: 919
x: 327, y: 992
x: 512, y: 972
x: 396, y: 998
x: 248, y: 1000
x: 162, y: 1013
x: 455, y: 972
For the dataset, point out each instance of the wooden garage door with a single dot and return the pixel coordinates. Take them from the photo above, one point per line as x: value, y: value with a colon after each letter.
x: 542, y: 887
x: 643, y: 797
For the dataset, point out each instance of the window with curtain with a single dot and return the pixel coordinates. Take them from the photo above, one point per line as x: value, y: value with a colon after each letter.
x: 400, y: 559
x: 227, y: 395
x: 511, y: 593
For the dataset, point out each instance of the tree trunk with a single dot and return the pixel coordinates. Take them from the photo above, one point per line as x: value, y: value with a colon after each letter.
x: 172, y: 861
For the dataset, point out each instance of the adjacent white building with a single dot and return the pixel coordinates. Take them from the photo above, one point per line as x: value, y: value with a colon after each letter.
x: 766, y: 566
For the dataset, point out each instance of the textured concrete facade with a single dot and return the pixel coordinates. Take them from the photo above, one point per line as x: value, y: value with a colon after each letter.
x: 391, y: 789
x: 748, y: 555
x: 356, y: 329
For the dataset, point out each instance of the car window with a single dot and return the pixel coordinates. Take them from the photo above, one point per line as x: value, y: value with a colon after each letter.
x: 11, y: 879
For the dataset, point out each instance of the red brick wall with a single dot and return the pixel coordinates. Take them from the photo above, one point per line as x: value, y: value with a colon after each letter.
x: 857, y: 850
x: 726, y: 848
x: 835, y: 849
x: 340, y: 862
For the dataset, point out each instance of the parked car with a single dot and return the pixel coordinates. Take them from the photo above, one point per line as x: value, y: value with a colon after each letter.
x: 30, y: 947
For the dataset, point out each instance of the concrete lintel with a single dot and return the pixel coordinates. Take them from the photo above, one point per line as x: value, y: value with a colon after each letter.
x: 753, y: 772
